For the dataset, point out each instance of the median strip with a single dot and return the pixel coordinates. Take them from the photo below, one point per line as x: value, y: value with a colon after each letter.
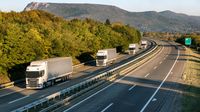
x: 56, y: 100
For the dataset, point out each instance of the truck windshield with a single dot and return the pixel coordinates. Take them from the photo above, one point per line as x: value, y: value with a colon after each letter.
x: 131, y: 48
x: 34, y: 74
x: 101, y: 57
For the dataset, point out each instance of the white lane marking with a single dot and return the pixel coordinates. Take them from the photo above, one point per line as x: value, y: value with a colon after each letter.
x: 12, y: 92
x: 18, y: 99
x: 154, y: 99
x: 155, y: 67
x: 62, y: 83
x: 131, y: 87
x: 107, y: 107
x: 160, y: 84
x: 105, y: 87
x: 161, y: 62
x: 146, y: 75
x: 96, y: 93
x: 150, y: 59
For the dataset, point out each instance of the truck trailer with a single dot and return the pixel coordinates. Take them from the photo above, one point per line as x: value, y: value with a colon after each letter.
x: 44, y: 73
x: 103, y: 57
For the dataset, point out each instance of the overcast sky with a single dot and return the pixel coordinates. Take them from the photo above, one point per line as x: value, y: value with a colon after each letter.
x: 190, y: 7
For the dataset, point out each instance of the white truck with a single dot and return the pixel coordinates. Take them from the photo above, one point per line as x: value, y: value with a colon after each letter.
x: 132, y: 48
x: 143, y: 44
x: 103, y: 57
x: 45, y: 73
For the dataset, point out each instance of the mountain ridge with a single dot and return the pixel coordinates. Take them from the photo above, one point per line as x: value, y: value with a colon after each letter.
x: 164, y: 21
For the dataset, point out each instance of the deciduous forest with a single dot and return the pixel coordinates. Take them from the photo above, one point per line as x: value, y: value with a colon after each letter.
x: 35, y: 35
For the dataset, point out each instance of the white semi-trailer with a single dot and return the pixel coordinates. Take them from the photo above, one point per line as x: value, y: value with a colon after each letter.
x: 132, y: 48
x: 144, y: 44
x: 103, y: 57
x: 45, y: 73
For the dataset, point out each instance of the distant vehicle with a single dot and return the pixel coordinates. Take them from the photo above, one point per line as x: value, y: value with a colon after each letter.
x: 103, y: 57
x: 45, y: 73
x: 143, y: 44
x: 132, y: 48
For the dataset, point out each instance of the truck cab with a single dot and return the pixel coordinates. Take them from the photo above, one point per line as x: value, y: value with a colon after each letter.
x: 143, y: 44
x: 101, y: 58
x: 35, y: 75
x: 132, y: 48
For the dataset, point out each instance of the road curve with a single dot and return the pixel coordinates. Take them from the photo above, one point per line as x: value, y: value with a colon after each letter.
x: 150, y: 88
x: 13, y: 98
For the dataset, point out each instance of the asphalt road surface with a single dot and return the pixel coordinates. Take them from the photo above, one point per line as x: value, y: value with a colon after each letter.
x: 17, y: 96
x: 150, y: 88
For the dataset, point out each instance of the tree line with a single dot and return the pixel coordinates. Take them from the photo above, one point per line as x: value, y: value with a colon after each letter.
x: 35, y: 35
x: 195, y: 37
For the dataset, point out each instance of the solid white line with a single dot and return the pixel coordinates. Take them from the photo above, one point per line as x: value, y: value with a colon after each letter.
x: 11, y: 92
x: 131, y: 87
x: 155, y: 67
x: 18, y: 99
x: 102, y: 89
x: 160, y: 85
x: 95, y: 93
x: 149, y: 60
x: 62, y: 83
x: 146, y: 75
x: 107, y: 107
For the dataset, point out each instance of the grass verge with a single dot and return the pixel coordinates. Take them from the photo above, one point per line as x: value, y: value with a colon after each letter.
x: 191, y: 77
x: 4, y: 79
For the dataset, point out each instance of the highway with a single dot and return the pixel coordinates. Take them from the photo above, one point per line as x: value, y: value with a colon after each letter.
x: 17, y: 96
x: 150, y: 88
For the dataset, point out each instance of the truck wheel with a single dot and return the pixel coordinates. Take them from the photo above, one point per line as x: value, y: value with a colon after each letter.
x: 44, y: 85
x: 64, y: 78
x: 52, y: 82
x: 67, y: 77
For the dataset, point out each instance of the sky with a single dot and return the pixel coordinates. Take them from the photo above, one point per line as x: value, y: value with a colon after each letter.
x: 190, y: 7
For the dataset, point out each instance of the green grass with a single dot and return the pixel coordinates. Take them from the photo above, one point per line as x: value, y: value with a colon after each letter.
x: 191, y: 76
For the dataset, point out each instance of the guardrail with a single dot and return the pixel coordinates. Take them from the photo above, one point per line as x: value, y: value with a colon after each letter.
x: 11, y: 84
x: 78, y: 89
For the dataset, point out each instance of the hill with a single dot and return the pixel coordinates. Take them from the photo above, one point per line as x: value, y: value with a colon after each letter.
x: 165, y: 21
x: 34, y: 35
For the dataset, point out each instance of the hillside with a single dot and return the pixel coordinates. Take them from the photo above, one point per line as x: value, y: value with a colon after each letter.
x: 34, y: 35
x: 165, y: 21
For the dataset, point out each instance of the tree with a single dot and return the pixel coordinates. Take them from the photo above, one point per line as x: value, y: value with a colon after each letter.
x: 107, y: 22
x: 34, y: 35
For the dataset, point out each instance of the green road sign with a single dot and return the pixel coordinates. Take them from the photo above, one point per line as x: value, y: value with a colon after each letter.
x: 188, y: 41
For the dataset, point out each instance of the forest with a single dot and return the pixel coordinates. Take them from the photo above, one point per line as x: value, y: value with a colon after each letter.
x: 195, y: 40
x: 35, y: 35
